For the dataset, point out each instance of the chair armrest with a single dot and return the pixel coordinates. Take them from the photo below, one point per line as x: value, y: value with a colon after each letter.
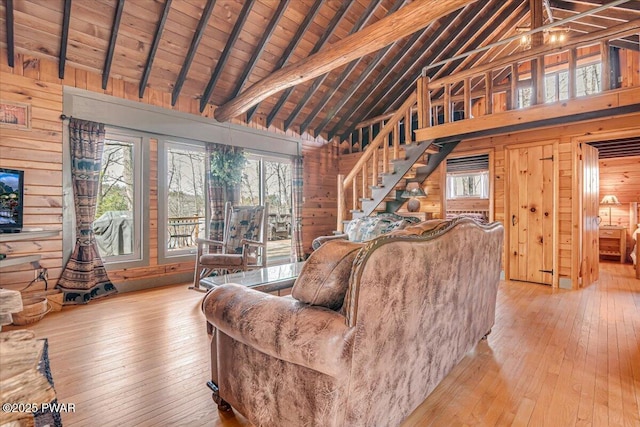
x: 252, y: 242
x: 284, y: 328
x: 319, y: 241
x: 209, y: 242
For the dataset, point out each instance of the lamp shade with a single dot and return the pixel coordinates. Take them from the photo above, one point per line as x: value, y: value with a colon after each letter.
x: 609, y: 200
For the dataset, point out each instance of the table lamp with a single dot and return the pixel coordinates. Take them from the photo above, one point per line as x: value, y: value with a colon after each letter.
x: 412, y: 192
x: 609, y: 200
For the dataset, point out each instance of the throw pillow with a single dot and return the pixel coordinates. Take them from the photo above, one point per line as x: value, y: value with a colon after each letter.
x: 324, y: 279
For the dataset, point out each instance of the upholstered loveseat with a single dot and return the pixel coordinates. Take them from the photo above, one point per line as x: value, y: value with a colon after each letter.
x: 368, y: 332
x: 367, y: 228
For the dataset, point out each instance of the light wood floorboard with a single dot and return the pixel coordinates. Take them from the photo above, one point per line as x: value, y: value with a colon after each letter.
x: 554, y: 358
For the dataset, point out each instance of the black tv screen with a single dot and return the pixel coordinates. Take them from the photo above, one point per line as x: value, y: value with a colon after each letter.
x: 11, y: 200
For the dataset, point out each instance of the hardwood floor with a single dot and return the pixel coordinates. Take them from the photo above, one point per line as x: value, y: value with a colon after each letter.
x: 554, y: 358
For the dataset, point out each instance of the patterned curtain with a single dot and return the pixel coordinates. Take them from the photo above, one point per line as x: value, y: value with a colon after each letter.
x: 84, y: 277
x: 297, y: 251
x: 219, y: 192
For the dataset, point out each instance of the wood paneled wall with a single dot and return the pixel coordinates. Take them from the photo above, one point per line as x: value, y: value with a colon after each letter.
x: 566, y: 135
x: 620, y: 177
x: 38, y: 151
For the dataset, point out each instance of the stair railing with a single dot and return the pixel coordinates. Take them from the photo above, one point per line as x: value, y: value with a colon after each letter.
x: 366, y: 170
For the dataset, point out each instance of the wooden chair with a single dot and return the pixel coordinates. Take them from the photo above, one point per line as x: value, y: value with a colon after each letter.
x: 243, y: 246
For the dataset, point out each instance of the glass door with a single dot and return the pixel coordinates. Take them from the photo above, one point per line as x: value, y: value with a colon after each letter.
x: 268, y: 179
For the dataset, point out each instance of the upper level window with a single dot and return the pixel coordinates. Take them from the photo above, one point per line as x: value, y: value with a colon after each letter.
x: 117, y: 223
x: 588, y: 79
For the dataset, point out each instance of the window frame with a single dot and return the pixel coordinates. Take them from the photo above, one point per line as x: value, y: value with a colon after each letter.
x: 140, y: 255
x: 484, y: 182
x: 164, y: 255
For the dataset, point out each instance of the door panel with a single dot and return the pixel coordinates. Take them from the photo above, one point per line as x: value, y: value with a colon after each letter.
x: 531, y: 211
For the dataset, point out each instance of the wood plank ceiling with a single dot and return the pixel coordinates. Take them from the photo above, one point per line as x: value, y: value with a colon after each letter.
x: 213, y: 50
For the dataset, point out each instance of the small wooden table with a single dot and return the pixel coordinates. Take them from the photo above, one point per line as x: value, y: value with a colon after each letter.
x: 268, y: 279
x: 613, y: 241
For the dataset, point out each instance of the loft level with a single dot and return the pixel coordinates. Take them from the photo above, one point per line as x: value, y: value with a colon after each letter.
x: 589, y: 76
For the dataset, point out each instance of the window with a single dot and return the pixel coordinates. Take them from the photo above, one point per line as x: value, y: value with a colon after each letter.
x: 556, y: 86
x: 468, y: 185
x: 588, y: 79
x: 269, y: 179
x: 117, y: 223
x: 525, y: 96
x: 183, y: 216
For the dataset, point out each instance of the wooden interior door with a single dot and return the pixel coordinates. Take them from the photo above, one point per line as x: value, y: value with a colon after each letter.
x: 531, y: 213
x: 590, y: 170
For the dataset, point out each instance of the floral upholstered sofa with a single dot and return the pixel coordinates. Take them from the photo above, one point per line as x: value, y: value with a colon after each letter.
x: 367, y: 228
x: 368, y: 332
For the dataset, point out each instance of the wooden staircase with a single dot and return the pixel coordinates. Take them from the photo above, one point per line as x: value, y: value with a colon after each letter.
x: 382, y: 172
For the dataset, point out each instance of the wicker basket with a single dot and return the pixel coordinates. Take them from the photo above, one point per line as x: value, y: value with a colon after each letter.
x: 54, y: 296
x: 34, y: 309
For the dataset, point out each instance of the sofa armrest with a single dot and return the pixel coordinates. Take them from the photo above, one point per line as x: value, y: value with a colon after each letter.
x: 314, y: 337
x: 319, y: 241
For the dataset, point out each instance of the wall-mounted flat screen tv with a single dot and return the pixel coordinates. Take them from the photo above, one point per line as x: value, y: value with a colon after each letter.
x: 11, y: 200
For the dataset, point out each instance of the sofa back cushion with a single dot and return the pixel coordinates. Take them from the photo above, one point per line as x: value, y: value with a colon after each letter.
x: 324, y: 278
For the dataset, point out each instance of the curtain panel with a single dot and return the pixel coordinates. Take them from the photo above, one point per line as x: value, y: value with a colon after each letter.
x: 84, y: 277
x: 219, y: 191
x: 297, y: 251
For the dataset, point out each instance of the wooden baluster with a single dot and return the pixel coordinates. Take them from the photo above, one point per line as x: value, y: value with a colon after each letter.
x: 396, y: 141
x: 360, y: 140
x: 385, y: 155
x: 488, y: 92
x: 540, y: 95
x: 364, y: 179
x: 447, y: 103
x: 467, y: 98
x: 407, y: 126
x: 341, y: 205
x: 354, y: 192
x: 572, y: 72
x: 374, y: 168
x: 514, y: 86
x: 606, y: 65
x: 424, y: 103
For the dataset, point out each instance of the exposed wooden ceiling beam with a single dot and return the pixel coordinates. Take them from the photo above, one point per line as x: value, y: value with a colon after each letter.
x: 533, y: 31
x: 613, y: 13
x: 260, y: 47
x: 502, y: 23
x: 468, y: 16
x: 391, y: 64
x: 633, y: 6
x: 398, y: 59
x: 308, y: 19
x: 337, y: 17
x: 64, y: 38
x: 10, y: 43
x: 222, y: 61
x: 404, y: 22
x: 193, y: 47
x: 362, y: 20
x: 112, y: 44
x: 349, y: 93
x: 154, y: 47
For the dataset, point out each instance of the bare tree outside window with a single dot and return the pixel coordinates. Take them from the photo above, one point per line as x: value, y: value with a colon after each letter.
x: 185, y: 197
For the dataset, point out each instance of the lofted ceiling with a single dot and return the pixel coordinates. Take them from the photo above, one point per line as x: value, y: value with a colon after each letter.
x: 213, y: 50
